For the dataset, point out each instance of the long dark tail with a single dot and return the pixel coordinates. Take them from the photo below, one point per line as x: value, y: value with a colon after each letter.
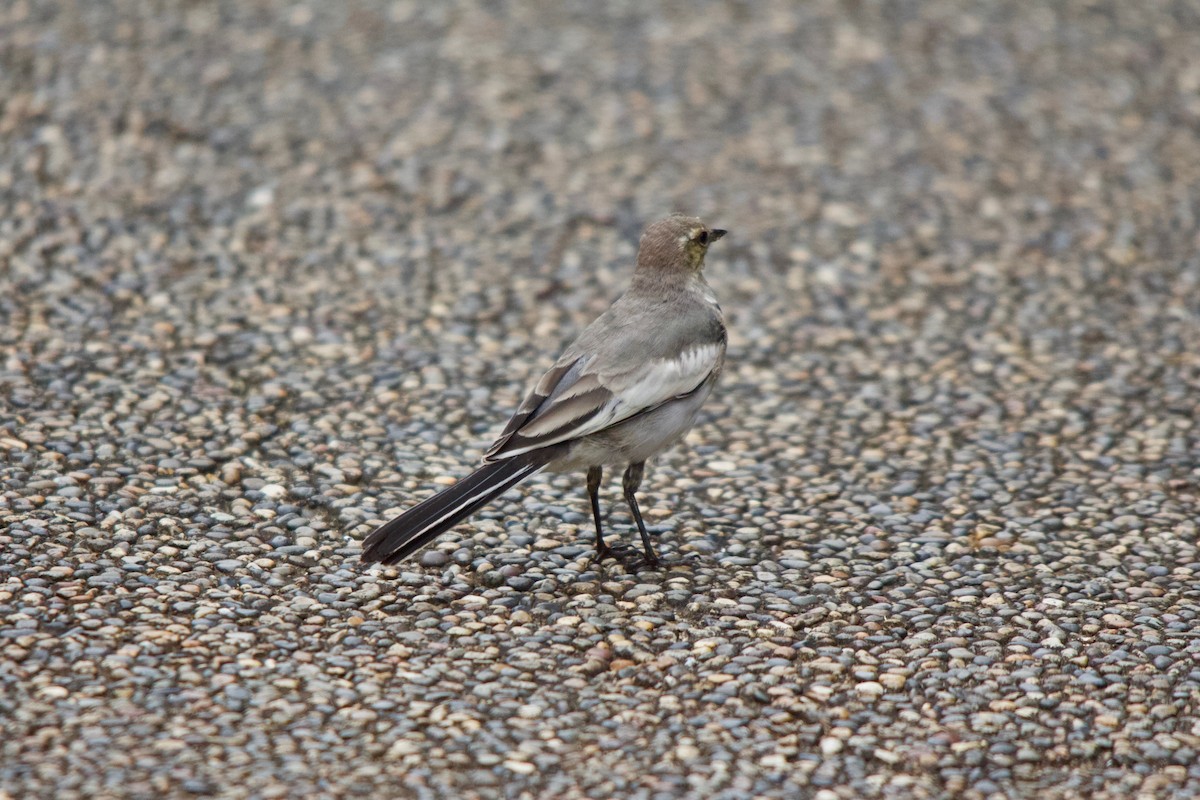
x: 394, y: 541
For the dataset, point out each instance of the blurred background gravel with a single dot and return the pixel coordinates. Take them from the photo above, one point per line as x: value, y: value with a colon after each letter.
x: 272, y: 271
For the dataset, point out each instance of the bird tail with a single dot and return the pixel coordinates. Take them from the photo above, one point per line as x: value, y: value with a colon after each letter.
x: 394, y: 541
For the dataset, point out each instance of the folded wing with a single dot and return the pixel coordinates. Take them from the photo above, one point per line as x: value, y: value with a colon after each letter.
x: 582, y: 396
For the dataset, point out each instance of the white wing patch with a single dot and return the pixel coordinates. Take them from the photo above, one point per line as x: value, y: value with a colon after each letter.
x: 663, y: 379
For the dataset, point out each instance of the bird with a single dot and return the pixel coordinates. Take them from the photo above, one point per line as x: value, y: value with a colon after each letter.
x: 629, y: 387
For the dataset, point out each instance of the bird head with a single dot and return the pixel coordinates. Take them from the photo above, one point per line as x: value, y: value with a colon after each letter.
x: 676, y: 243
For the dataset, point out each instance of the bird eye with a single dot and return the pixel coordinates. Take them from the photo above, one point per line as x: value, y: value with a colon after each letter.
x: 702, y: 237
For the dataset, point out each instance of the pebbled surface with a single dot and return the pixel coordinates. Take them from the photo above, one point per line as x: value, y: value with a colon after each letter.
x: 272, y: 271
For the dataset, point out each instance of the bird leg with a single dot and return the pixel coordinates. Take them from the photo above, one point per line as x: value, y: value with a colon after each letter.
x: 593, y: 486
x: 631, y: 481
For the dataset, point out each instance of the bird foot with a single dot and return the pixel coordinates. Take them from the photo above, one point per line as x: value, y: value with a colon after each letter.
x: 629, y: 557
x: 618, y: 552
x: 641, y: 562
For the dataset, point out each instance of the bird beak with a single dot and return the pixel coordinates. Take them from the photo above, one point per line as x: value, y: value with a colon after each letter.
x: 715, y: 234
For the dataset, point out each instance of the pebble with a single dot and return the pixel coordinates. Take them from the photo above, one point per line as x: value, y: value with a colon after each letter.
x: 434, y: 558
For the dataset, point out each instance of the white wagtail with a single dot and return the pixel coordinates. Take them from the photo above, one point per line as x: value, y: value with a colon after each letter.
x: 627, y: 389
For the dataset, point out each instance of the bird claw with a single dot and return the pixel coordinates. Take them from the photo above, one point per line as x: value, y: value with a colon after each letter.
x: 627, y: 556
x: 618, y: 553
x: 642, y: 562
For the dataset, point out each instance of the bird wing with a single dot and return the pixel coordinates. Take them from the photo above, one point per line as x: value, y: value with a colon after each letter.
x: 586, y: 393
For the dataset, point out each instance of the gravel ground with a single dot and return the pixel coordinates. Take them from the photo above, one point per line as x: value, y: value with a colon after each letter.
x: 272, y: 271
